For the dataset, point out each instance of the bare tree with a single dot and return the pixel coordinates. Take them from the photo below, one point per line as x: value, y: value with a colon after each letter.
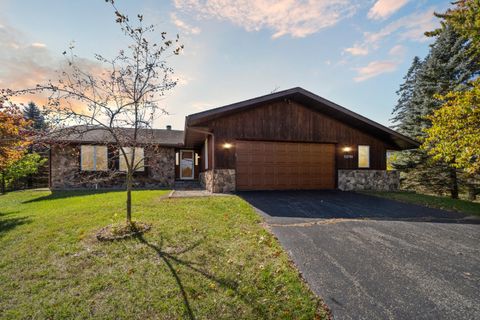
x: 119, y: 96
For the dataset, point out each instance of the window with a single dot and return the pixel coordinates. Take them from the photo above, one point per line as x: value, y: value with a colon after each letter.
x: 93, y: 158
x: 139, y: 159
x: 364, y: 156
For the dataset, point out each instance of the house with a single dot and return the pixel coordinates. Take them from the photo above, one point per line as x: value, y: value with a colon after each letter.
x: 291, y: 139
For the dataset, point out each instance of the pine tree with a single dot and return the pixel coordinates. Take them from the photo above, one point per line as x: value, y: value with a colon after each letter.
x: 37, y: 124
x: 447, y: 67
x: 34, y: 114
x: 403, y: 110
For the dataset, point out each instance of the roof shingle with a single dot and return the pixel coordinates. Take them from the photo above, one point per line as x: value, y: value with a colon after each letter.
x: 92, y: 134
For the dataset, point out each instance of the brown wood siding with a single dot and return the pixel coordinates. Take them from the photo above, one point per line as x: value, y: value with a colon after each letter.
x: 284, y: 165
x: 289, y: 121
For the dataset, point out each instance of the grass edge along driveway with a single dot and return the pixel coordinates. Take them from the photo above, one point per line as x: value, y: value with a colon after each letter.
x: 205, y: 258
x: 438, y: 202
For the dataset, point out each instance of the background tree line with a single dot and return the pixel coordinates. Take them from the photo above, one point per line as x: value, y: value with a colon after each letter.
x: 20, y: 158
x: 438, y: 105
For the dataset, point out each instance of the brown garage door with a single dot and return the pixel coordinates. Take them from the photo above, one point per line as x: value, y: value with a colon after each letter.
x: 265, y: 165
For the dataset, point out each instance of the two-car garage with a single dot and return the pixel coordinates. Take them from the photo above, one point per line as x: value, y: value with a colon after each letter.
x: 265, y: 165
x: 292, y: 140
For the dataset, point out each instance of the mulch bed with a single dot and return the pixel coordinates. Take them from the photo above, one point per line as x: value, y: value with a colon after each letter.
x: 121, y: 231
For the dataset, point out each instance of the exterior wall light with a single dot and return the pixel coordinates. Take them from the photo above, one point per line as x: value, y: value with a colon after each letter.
x: 227, y: 145
x: 347, y: 149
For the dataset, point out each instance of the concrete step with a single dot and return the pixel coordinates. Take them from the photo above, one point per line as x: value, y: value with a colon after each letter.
x: 188, y: 185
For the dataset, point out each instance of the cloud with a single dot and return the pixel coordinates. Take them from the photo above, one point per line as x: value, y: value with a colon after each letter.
x: 24, y: 65
x: 357, y: 50
x: 408, y: 28
x: 39, y: 45
x: 182, y: 25
x: 398, y: 51
x: 382, y: 9
x: 202, y: 105
x: 411, y: 27
x: 183, y: 79
x: 374, y: 69
x: 296, y: 18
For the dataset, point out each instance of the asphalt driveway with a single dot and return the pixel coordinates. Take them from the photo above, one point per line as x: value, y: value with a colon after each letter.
x: 374, y: 258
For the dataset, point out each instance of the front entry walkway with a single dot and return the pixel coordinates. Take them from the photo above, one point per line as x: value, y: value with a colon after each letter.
x: 374, y: 258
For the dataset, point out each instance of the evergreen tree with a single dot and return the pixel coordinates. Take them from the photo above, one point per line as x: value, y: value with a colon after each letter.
x: 447, y: 67
x: 35, y: 116
x: 403, y: 110
x: 32, y: 113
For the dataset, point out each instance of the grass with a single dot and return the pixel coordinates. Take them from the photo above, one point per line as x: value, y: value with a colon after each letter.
x: 205, y: 258
x: 445, y: 203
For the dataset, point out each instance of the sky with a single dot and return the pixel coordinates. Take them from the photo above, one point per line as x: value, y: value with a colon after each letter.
x: 354, y: 53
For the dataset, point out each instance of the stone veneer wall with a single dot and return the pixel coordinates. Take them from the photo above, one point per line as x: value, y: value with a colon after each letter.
x: 379, y: 180
x: 205, y: 179
x: 222, y: 181
x: 66, y: 174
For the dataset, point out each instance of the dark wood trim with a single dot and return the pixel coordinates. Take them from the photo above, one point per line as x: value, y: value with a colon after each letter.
x: 287, y: 141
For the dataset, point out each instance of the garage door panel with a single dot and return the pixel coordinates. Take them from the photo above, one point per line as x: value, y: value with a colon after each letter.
x: 265, y: 165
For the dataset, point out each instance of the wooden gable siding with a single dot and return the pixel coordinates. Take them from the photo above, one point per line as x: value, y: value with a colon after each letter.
x: 290, y: 121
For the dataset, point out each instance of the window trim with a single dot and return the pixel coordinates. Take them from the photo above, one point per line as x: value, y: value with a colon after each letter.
x: 94, y: 156
x: 358, y: 156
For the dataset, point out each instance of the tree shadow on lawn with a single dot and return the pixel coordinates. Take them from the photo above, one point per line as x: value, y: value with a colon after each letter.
x: 7, y: 224
x: 170, y: 259
x: 71, y: 193
x: 62, y: 194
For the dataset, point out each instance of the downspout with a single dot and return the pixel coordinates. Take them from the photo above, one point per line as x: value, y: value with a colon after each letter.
x: 213, y: 151
x: 50, y: 167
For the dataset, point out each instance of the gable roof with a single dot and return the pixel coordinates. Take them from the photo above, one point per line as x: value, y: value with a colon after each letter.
x: 313, y: 101
x: 93, y: 134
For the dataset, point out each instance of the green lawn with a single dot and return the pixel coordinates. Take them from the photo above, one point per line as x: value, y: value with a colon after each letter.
x: 467, y: 207
x: 205, y: 258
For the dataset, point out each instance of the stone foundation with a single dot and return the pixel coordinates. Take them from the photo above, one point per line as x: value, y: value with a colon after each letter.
x: 205, y: 179
x: 222, y: 181
x: 378, y: 180
x: 66, y: 174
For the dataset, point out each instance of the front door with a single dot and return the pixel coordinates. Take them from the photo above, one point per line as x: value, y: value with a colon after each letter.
x: 186, y: 164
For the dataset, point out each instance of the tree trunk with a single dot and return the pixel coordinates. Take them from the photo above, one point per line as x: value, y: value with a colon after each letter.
x: 453, y: 184
x: 472, y: 193
x: 129, y: 198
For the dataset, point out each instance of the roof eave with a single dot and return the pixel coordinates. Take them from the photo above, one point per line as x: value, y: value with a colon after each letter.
x: 204, y: 116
